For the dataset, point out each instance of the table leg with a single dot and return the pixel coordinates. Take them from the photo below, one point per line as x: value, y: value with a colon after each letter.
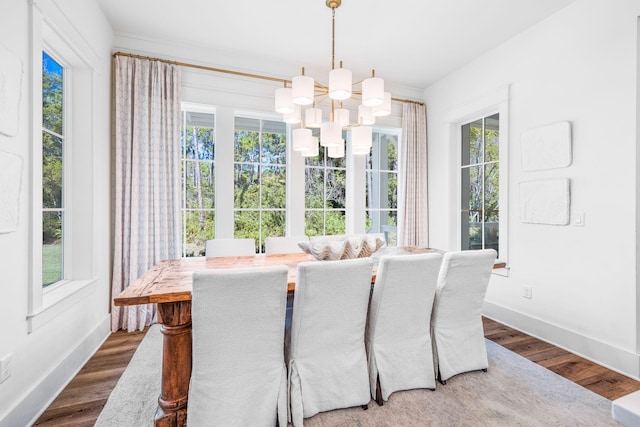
x: 175, y: 318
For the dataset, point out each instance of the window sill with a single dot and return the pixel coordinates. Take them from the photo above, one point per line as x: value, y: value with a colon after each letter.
x: 59, y: 299
x: 502, y: 270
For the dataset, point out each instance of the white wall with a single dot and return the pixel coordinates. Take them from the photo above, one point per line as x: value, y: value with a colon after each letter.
x: 44, y: 360
x: 578, y: 65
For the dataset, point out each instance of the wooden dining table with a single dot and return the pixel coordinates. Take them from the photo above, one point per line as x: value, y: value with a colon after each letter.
x: 168, y: 284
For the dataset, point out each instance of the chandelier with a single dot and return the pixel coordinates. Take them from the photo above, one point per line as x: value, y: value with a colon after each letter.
x: 308, y: 93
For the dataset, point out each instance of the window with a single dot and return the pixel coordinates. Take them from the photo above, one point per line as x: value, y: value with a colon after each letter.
x: 480, y: 184
x: 382, y: 186
x: 69, y: 172
x: 53, y: 168
x: 325, y: 194
x: 198, y: 181
x: 260, y: 179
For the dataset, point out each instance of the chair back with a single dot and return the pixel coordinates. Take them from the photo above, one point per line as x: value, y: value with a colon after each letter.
x: 456, y: 320
x: 462, y: 283
x: 284, y: 245
x: 327, y: 356
x: 230, y: 247
x: 238, y: 375
x: 399, y: 326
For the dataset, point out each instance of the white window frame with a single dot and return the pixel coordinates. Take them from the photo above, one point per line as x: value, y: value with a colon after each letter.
x: 260, y: 209
x: 50, y: 33
x: 377, y: 171
x: 198, y: 108
x: 484, y: 106
x: 324, y: 168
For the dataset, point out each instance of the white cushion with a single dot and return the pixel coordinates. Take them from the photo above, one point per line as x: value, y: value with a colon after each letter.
x: 626, y: 409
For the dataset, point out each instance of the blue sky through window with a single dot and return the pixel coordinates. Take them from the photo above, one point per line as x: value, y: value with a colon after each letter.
x: 50, y: 64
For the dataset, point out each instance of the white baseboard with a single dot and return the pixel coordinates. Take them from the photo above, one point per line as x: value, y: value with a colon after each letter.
x: 614, y: 358
x: 29, y: 409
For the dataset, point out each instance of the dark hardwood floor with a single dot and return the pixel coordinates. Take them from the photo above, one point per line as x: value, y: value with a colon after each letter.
x: 592, y: 376
x: 81, y: 401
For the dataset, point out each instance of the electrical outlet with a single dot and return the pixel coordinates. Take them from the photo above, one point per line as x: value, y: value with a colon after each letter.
x: 578, y: 219
x: 5, y: 368
x: 527, y: 292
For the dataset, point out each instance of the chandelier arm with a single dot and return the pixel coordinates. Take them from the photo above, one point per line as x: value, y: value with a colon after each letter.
x: 321, y: 100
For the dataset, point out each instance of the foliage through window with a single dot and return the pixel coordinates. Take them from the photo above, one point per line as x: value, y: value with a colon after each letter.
x: 260, y: 165
x: 325, y: 194
x: 382, y: 186
x: 53, y: 141
x: 198, y: 181
x: 480, y: 184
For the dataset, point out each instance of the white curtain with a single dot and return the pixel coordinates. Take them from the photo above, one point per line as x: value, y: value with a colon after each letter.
x: 413, y: 224
x: 147, y: 177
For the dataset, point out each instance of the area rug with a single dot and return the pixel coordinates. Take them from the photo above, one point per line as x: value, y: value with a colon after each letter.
x: 513, y: 392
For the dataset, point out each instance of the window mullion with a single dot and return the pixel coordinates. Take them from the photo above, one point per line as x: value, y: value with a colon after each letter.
x: 484, y: 180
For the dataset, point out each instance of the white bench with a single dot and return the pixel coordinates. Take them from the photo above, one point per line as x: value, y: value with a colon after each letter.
x: 626, y: 410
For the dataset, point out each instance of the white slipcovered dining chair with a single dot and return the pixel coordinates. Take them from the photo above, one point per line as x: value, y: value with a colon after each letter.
x: 398, y: 335
x: 327, y: 356
x: 230, y: 247
x: 238, y: 377
x: 456, y: 320
x: 284, y: 245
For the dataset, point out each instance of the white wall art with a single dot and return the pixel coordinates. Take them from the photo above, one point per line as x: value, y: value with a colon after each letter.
x: 10, y: 179
x: 546, y: 147
x: 10, y: 87
x: 545, y: 201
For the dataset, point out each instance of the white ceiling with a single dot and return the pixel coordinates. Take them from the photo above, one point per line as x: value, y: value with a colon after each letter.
x: 408, y: 42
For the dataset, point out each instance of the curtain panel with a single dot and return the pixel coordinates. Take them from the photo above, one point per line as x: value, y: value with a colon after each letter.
x: 147, y: 177
x: 413, y: 221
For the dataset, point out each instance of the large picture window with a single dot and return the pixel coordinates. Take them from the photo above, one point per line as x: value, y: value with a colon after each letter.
x: 382, y: 186
x: 325, y: 194
x: 53, y: 168
x: 260, y: 165
x: 480, y: 179
x: 198, y: 181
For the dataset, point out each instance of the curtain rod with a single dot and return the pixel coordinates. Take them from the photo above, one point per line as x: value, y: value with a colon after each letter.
x: 235, y: 73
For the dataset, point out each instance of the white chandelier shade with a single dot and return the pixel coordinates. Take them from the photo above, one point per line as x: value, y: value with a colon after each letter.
x: 302, y: 140
x: 341, y: 115
x: 340, y: 83
x: 314, y: 150
x: 372, y: 91
x: 293, y: 117
x: 313, y: 117
x: 361, y: 137
x: 383, y: 109
x: 284, y: 102
x: 302, y: 91
x: 360, y: 151
x: 365, y: 115
x: 330, y: 134
x: 336, y: 151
